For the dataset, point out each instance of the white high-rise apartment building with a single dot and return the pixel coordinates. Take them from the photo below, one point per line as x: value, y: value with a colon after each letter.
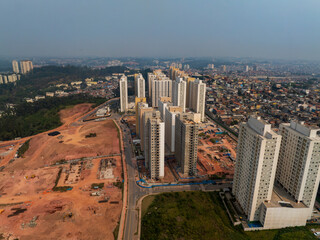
x: 160, y: 88
x: 186, y: 142
x: 255, y: 169
x: 163, y: 103
x: 155, y: 75
x: 12, y: 78
x: 26, y: 66
x: 147, y: 113
x: 298, y: 168
x: 155, y: 131
x: 139, y: 114
x: 1, y: 79
x: 198, y: 97
x: 170, y: 125
x: 179, y: 93
x: 143, y: 122
x: 5, y: 79
x: 151, y: 77
x: 15, y: 66
x: 139, y: 86
x: 123, y: 86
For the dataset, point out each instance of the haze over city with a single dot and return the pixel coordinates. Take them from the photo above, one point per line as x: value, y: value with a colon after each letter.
x: 181, y: 28
x: 178, y: 119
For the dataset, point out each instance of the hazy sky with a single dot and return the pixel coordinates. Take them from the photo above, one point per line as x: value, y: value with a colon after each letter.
x: 288, y: 29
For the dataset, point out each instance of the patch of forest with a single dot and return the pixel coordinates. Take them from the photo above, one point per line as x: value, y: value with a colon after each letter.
x: 27, y: 119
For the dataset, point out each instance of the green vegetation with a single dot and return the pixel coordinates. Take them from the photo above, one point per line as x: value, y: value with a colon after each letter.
x: 214, y: 140
x: 58, y: 178
x: 220, y: 175
x: 27, y: 119
x: 146, y: 202
x: 90, y: 135
x: 116, y: 231
x: 62, y: 188
x: 118, y: 184
x: 202, y: 134
x: 44, y: 79
x: 61, y: 161
x: 23, y: 148
x: 97, y: 185
x: 200, y: 215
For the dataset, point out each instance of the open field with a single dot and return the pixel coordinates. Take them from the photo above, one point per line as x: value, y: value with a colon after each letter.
x: 71, y: 143
x: 42, y: 200
x: 200, y: 215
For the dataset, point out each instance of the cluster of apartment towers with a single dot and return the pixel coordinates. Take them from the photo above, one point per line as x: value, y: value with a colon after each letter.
x: 277, y: 173
x: 25, y: 66
x: 171, y: 124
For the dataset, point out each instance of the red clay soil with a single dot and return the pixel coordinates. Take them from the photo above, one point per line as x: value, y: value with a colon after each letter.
x: 27, y: 183
x: 72, y: 143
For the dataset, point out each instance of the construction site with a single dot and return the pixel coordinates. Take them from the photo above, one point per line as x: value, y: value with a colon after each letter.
x: 62, y: 181
x: 216, y: 152
x: 216, y: 155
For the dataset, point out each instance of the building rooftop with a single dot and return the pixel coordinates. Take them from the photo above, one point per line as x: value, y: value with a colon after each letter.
x: 280, y: 198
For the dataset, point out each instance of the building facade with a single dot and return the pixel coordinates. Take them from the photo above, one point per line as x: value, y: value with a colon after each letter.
x: 123, y: 87
x: 26, y: 66
x: 15, y: 66
x: 163, y: 103
x: 257, y: 156
x: 160, y: 88
x: 139, y: 86
x: 197, y: 97
x: 186, y: 142
x: 147, y: 113
x: 155, y: 134
x: 298, y: 169
x: 179, y: 93
x: 170, y: 126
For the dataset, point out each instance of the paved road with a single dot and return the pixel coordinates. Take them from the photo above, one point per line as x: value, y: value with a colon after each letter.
x: 135, y: 192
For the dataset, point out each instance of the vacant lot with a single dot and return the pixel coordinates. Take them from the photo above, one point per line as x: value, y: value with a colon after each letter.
x: 32, y: 208
x: 199, y: 215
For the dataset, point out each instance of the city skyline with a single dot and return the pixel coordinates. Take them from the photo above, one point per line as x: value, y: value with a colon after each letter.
x: 264, y: 29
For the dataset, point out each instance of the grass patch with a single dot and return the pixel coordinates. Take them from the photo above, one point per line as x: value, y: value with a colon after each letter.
x: 146, y: 202
x: 116, y: 231
x: 118, y: 184
x: 62, y: 189
x: 58, y: 178
x: 23, y: 148
x: 200, y: 215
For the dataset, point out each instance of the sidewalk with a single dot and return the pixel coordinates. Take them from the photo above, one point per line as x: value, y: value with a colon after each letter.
x: 125, y: 188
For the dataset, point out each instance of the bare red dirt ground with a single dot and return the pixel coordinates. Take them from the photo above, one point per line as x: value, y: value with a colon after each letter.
x: 33, y: 211
x: 212, y: 157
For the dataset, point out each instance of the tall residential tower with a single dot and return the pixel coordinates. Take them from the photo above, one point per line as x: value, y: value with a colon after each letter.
x: 156, y: 150
x: 299, y: 162
x: 179, y: 93
x: 123, y: 86
x: 15, y: 66
x: 197, y: 98
x: 139, y: 86
x: 257, y: 156
x: 186, y: 142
